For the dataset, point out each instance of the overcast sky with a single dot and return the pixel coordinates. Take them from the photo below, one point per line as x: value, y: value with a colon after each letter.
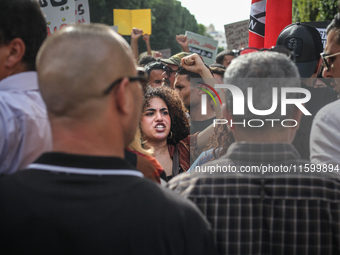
x: 218, y: 12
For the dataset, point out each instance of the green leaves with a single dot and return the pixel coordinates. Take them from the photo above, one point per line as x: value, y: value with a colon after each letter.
x: 314, y: 10
x: 169, y: 19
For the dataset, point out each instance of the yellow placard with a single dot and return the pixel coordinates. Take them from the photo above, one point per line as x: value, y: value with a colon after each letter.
x: 128, y: 19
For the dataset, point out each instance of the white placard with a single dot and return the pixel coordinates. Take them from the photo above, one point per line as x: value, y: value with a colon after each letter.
x: 237, y: 34
x: 58, y: 13
x: 166, y: 53
x: 323, y: 35
x: 114, y: 28
x: 204, y: 46
x: 82, y: 11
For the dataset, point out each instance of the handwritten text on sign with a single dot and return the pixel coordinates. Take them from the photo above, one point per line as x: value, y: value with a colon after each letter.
x: 204, y: 46
x: 61, y: 13
x: 237, y: 34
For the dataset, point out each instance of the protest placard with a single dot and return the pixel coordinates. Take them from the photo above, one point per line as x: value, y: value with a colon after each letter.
x: 237, y: 34
x: 126, y: 20
x: 321, y: 27
x: 114, y: 28
x: 166, y: 53
x: 82, y: 11
x: 58, y: 13
x: 204, y: 46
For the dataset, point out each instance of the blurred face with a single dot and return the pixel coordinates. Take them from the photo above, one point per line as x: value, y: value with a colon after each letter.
x: 182, y: 87
x: 190, y: 95
x: 333, y: 47
x: 155, y: 122
x: 169, y: 76
x: 155, y: 78
x: 227, y: 60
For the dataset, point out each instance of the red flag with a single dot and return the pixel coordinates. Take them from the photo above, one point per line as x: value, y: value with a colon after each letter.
x: 278, y: 16
x: 267, y: 19
x: 256, y: 23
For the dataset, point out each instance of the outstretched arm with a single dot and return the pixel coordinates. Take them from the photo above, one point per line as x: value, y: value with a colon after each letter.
x: 135, y: 35
x: 146, y: 38
x: 183, y: 41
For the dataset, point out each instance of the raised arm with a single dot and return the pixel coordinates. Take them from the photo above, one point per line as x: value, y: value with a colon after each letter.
x: 183, y: 41
x: 146, y: 38
x: 135, y: 35
x: 195, y: 64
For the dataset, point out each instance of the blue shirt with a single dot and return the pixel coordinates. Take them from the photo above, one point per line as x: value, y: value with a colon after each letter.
x: 24, y: 127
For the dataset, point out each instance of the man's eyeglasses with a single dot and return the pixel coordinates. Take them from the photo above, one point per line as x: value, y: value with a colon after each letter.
x: 141, y: 77
x: 278, y: 48
x: 328, y: 59
x: 168, y: 70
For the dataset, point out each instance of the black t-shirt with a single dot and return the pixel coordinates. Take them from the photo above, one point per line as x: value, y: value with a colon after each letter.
x: 196, y: 126
x: 75, y: 210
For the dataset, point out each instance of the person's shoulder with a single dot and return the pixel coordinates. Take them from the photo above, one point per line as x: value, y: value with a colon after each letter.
x: 180, y: 182
x: 329, y: 111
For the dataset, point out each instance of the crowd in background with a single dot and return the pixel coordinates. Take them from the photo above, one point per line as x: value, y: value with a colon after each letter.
x: 103, y: 152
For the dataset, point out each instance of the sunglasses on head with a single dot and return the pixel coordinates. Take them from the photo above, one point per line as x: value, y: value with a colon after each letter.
x: 278, y: 48
x: 168, y: 70
x: 142, y: 77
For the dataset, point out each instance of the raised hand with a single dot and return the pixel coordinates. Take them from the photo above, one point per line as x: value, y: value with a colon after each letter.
x: 183, y: 41
x: 136, y: 33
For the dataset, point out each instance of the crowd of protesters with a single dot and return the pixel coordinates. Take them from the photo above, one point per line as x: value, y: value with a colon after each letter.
x: 104, y: 152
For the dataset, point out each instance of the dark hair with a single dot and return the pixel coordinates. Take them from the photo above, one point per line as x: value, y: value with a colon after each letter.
x: 218, y: 65
x: 220, y: 56
x: 220, y: 141
x: 182, y: 71
x: 335, y: 25
x: 146, y: 60
x: 217, y: 69
x: 179, y: 120
x: 23, y: 19
x: 153, y: 66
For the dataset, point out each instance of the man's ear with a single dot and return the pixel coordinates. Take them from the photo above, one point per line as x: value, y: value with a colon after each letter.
x: 200, y: 92
x: 16, y: 51
x: 121, y: 97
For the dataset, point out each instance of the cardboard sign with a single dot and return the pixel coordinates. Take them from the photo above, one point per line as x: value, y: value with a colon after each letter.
x: 166, y: 53
x: 126, y: 20
x: 114, y: 28
x: 204, y: 46
x: 321, y: 27
x: 58, y: 13
x: 82, y: 11
x: 237, y: 34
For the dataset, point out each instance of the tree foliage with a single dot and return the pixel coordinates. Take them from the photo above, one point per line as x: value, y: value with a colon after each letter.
x: 314, y: 10
x: 169, y: 19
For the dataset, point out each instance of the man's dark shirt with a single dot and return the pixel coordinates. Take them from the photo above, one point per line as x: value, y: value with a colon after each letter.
x: 73, y: 204
x: 196, y: 126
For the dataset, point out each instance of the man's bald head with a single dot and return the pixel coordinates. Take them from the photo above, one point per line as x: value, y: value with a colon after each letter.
x: 76, y: 64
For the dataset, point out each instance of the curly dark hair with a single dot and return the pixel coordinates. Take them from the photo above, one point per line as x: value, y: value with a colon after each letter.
x: 179, y: 121
x: 220, y: 141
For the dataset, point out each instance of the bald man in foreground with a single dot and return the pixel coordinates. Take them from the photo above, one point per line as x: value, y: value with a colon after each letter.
x: 83, y: 197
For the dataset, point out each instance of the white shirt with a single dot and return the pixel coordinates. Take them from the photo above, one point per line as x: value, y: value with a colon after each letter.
x: 325, y: 135
x: 25, y: 131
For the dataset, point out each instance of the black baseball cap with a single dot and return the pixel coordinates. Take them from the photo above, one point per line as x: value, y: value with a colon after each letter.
x: 305, y: 41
